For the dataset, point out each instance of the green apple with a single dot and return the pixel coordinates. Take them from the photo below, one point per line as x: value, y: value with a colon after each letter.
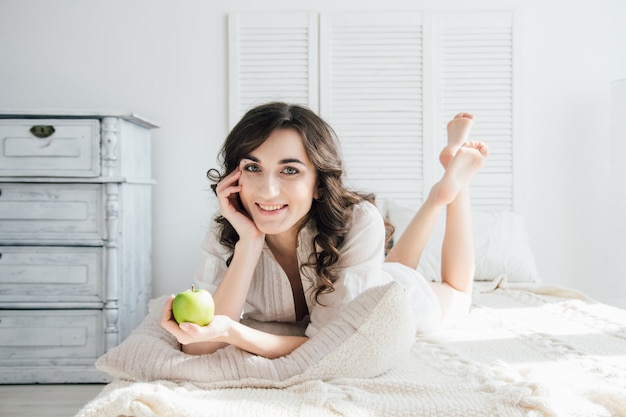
x: 193, y: 306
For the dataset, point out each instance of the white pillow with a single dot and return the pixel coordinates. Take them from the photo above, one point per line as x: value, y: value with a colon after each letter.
x: 370, y: 336
x: 501, y: 245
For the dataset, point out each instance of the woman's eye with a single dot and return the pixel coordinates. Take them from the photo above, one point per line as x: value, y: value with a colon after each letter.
x: 252, y: 168
x: 290, y: 171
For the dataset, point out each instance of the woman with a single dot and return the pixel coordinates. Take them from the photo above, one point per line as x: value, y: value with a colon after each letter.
x: 293, y: 244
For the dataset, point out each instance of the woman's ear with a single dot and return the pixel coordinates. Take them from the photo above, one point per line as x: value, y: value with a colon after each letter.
x: 318, y: 193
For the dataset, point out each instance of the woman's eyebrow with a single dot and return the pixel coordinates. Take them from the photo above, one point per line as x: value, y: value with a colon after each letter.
x: 291, y: 161
x: 282, y: 161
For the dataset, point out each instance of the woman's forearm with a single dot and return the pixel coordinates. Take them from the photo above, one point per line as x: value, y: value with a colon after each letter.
x: 246, y: 338
x: 230, y: 295
x: 263, y: 344
x: 202, y: 348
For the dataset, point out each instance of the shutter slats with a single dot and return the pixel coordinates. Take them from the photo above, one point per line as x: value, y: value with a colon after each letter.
x: 477, y: 68
x: 271, y: 57
x: 371, y: 83
x: 372, y: 96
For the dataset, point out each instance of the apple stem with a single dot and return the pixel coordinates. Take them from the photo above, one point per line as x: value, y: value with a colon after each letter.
x: 193, y: 288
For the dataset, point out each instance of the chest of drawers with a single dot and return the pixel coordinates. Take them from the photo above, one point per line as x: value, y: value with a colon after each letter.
x: 75, y: 240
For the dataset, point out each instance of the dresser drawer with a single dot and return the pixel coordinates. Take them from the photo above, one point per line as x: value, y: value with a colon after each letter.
x: 32, y: 275
x: 65, y: 148
x: 50, y: 337
x: 51, y: 213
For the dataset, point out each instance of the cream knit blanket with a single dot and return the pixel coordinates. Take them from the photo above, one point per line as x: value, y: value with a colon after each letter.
x: 522, y: 351
x: 377, y: 319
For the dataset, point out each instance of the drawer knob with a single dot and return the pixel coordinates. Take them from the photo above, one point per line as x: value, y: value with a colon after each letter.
x: 42, y: 131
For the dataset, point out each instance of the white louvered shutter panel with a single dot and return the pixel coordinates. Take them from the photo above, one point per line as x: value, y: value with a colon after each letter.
x: 371, y: 93
x: 477, y: 75
x: 272, y: 56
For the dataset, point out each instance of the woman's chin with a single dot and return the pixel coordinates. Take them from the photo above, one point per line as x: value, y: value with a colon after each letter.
x: 274, y: 228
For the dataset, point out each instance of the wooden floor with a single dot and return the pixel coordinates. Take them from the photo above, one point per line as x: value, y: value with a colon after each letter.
x: 45, y: 400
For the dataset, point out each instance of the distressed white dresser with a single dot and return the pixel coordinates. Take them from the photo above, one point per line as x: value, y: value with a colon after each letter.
x: 75, y: 240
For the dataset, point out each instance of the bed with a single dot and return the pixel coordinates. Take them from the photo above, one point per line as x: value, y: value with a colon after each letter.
x: 525, y: 349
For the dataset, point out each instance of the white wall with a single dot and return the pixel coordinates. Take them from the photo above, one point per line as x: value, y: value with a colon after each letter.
x: 166, y: 60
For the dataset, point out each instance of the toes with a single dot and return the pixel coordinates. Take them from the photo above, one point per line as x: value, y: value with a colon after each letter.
x: 484, y: 149
x: 464, y: 114
x: 479, y: 146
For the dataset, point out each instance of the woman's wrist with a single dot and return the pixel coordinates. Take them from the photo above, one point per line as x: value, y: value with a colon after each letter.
x: 253, y: 245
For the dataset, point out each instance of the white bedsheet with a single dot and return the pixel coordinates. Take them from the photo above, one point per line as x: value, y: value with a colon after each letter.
x: 522, y: 351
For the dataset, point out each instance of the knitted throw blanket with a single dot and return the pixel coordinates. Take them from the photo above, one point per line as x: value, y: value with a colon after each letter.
x: 522, y: 351
x: 378, y: 319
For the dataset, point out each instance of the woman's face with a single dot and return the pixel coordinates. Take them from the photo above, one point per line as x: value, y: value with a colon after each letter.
x: 278, y: 183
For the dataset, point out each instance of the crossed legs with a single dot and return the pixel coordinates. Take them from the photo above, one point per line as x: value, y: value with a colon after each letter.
x: 461, y: 160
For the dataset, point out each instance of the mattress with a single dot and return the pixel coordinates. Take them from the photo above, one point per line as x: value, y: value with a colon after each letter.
x: 523, y: 350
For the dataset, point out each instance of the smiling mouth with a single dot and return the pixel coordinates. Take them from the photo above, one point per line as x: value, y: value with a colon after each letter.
x: 272, y: 207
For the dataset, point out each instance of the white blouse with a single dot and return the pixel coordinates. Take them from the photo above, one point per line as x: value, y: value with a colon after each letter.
x: 360, y: 267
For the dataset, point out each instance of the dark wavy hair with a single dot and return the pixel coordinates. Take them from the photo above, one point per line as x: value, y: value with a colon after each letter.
x: 331, y: 212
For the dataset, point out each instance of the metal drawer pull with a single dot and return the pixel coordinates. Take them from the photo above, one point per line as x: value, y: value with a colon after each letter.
x: 42, y: 131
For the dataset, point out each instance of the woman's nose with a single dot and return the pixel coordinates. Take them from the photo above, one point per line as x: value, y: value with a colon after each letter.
x: 270, y: 186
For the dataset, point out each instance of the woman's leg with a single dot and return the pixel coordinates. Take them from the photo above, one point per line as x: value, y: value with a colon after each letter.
x: 451, y: 192
x: 457, y: 260
x: 409, y: 247
x: 457, y: 252
x: 462, y: 160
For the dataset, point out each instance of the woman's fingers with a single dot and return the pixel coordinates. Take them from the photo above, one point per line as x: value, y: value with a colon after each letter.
x: 167, y: 320
x: 169, y: 324
x: 188, y: 333
x: 227, y: 192
x: 167, y: 310
x: 226, y: 186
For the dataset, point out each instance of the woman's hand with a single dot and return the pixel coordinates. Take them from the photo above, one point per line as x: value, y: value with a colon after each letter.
x: 227, y: 192
x: 189, y: 333
x: 223, y: 330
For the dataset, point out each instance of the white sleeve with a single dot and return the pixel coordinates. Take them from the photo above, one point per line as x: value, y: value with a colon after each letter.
x: 359, y: 267
x: 213, y: 256
x: 364, y: 244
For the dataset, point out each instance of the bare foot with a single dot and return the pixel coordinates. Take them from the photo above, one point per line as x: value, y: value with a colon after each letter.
x: 469, y: 159
x: 458, y: 134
